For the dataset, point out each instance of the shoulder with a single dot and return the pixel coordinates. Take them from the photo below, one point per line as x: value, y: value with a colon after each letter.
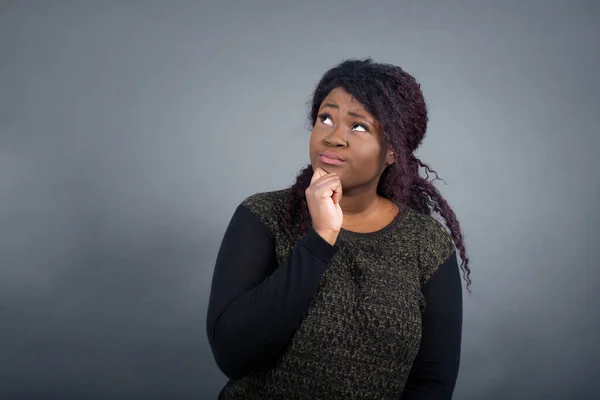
x: 266, y: 202
x: 269, y: 207
x: 435, y: 242
x: 433, y: 231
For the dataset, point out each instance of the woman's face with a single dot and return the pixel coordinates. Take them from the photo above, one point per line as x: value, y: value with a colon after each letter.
x: 345, y: 129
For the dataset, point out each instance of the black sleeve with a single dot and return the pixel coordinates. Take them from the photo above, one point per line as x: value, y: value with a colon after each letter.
x: 435, y: 369
x: 256, y: 305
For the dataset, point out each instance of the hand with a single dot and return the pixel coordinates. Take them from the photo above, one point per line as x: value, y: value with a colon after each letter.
x: 323, y: 198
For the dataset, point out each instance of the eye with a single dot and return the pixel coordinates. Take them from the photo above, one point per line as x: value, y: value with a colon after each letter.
x: 324, y: 118
x: 363, y: 127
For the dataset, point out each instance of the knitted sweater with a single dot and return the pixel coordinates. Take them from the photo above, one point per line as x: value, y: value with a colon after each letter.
x: 376, y: 316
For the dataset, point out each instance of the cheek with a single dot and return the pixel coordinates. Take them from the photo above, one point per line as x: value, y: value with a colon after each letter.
x: 370, y: 158
x: 312, y: 145
x: 311, y: 142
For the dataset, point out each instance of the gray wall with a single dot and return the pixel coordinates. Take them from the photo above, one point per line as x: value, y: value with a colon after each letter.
x: 130, y: 130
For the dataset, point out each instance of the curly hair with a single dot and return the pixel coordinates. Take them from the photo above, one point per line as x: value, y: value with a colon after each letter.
x: 395, y: 98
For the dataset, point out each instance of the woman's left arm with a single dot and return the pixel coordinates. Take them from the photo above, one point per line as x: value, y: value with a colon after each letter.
x: 435, y: 369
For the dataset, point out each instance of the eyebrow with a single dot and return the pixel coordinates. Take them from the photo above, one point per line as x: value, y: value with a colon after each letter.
x: 349, y: 112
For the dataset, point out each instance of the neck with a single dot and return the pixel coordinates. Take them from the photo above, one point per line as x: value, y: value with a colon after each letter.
x: 360, y: 203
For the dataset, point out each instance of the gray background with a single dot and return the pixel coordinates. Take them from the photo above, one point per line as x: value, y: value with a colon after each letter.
x: 131, y: 130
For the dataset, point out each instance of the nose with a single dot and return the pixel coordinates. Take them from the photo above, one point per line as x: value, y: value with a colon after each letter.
x: 336, y: 137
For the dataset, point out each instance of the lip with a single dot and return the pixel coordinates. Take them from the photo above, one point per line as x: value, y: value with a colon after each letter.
x: 328, y: 157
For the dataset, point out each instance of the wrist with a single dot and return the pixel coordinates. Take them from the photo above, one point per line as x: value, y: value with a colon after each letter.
x: 328, y: 235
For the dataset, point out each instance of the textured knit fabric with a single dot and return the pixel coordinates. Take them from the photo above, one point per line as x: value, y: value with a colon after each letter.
x: 361, y: 332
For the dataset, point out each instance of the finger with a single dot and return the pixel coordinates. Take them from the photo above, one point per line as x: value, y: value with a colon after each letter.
x: 318, y: 173
x: 337, y: 192
x: 326, y: 181
x: 330, y: 185
x: 324, y: 178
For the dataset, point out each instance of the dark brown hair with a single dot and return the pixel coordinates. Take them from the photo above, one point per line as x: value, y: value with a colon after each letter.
x: 395, y: 98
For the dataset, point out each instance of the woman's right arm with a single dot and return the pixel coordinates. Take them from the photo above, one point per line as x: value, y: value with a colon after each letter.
x: 255, y: 304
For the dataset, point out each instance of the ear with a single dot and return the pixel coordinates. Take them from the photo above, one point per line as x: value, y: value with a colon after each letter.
x: 390, y: 157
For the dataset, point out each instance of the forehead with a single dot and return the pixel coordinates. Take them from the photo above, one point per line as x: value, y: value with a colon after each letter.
x: 342, y: 98
x: 345, y: 100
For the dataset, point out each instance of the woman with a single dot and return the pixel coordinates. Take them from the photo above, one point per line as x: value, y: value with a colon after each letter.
x: 344, y: 286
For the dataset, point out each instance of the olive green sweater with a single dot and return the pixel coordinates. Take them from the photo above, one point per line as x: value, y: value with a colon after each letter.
x: 376, y: 316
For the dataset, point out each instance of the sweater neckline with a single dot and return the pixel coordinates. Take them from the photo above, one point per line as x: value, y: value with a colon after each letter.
x: 398, y: 219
